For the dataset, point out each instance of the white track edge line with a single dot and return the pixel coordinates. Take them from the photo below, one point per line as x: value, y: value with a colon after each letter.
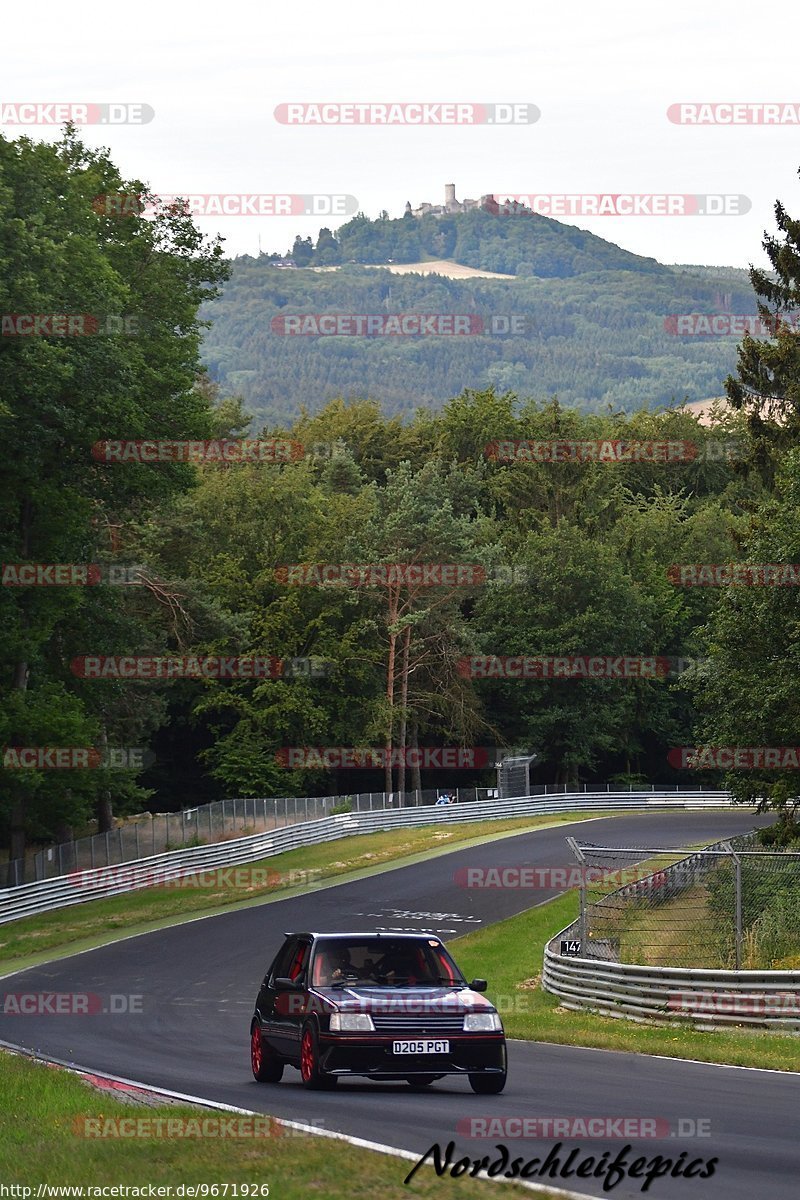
x: 700, y: 1062
x: 362, y: 1143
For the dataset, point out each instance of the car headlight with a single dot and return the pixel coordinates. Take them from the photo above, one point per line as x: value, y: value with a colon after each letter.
x: 351, y: 1023
x: 482, y: 1022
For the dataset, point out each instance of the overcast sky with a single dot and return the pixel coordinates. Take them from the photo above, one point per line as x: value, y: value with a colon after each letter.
x: 603, y: 76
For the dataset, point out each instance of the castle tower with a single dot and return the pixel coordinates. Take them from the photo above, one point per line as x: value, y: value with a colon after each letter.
x: 450, y: 196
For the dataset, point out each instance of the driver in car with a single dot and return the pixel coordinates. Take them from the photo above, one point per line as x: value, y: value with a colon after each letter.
x: 333, y: 966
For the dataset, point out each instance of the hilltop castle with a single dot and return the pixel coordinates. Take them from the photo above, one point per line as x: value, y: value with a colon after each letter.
x: 451, y: 205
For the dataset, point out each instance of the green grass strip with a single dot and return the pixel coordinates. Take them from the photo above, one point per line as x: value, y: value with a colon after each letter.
x: 510, y: 954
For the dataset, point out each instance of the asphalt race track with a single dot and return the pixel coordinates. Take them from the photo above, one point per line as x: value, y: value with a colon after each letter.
x: 198, y: 982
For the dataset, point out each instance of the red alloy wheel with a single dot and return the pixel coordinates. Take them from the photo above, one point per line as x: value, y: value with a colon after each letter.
x: 256, y: 1052
x: 307, y: 1063
x: 267, y: 1066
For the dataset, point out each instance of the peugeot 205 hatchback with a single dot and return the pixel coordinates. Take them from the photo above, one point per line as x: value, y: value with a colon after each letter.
x: 387, y: 1006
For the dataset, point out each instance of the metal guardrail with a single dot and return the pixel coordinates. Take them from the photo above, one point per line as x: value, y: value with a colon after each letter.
x: 48, y: 894
x: 148, y: 833
x: 706, y: 998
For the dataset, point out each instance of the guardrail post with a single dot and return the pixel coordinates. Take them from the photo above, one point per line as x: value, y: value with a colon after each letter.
x: 108, y: 852
x: 136, y: 827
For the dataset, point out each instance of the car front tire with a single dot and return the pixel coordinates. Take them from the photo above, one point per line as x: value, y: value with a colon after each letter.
x: 312, y: 1076
x: 488, y: 1085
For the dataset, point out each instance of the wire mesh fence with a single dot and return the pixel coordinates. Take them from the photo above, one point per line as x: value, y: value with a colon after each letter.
x: 732, y: 905
x: 157, y: 833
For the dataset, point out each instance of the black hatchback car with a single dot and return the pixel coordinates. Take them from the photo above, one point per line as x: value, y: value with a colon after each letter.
x: 387, y: 1006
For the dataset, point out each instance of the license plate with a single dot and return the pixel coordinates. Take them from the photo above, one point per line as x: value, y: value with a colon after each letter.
x: 428, y: 1046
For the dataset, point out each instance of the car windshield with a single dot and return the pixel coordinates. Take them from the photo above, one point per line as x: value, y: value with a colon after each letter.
x: 384, y: 962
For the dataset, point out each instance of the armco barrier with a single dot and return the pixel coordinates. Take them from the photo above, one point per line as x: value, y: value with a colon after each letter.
x: 48, y: 894
x: 704, y: 998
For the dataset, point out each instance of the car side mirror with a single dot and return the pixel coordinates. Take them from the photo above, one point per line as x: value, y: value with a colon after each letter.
x: 284, y: 984
x: 479, y: 985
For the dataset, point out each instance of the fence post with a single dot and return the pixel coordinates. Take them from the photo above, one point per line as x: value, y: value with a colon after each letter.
x: 576, y: 850
x: 136, y: 827
x: 121, y: 852
x: 738, y: 877
x: 108, y: 852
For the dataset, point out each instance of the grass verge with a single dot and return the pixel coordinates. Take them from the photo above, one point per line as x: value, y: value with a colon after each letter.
x: 32, y: 940
x: 39, y: 1144
x: 509, y: 954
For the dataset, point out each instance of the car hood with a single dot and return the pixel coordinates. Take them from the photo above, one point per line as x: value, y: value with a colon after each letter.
x: 366, y: 998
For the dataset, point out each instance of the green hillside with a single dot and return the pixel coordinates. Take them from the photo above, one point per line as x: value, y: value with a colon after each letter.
x: 584, y: 319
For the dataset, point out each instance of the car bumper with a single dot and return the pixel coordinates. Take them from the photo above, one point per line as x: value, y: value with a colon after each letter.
x: 373, y: 1056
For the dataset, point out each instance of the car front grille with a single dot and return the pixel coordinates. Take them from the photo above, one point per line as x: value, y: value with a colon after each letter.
x: 418, y: 1023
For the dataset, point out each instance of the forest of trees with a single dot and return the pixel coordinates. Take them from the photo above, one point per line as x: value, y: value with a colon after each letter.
x: 578, y: 556
x: 524, y: 243
x: 594, y: 339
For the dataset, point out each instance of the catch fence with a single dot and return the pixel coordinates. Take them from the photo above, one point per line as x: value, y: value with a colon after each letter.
x: 159, y: 833
x: 732, y: 905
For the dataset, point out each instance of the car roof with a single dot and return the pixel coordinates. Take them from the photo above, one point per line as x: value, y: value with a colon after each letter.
x: 363, y: 933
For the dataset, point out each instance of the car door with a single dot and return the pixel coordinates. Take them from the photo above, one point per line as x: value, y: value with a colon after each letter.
x: 289, y: 1005
x: 267, y: 995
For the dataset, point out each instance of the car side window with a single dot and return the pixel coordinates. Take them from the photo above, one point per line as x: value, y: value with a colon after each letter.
x: 283, y: 963
x: 298, y: 963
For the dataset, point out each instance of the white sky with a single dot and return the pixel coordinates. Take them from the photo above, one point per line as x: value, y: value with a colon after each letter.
x: 603, y: 76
